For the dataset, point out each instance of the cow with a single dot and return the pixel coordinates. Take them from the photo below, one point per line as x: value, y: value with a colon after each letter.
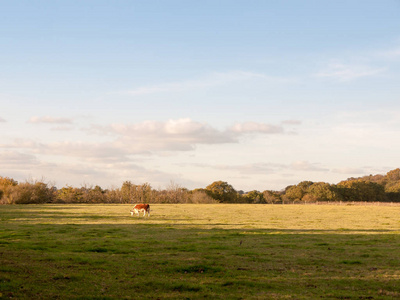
x: 141, y: 208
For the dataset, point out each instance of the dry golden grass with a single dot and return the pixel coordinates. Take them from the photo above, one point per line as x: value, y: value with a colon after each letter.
x: 316, y: 218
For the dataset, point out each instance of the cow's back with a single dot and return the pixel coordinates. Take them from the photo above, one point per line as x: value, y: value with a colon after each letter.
x: 146, y: 207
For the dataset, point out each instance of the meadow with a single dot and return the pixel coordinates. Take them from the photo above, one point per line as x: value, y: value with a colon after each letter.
x: 197, y: 251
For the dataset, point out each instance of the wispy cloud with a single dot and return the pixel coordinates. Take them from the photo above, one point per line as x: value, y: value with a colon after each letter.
x: 342, y: 72
x: 2, y: 120
x: 291, y: 122
x: 93, y: 152
x: 253, y: 168
x: 253, y: 127
x: 17, y: 159
x: 307, y: 166
x: 212, y: 80
x: 49, y: 120
x: 390, y: 54
x: 350, y: 171
x: 268, y: 168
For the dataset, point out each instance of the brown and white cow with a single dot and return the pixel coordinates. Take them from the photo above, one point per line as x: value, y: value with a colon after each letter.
x: 141, y: 208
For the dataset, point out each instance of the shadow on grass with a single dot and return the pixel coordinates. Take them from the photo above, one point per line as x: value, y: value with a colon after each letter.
x: 115, y: 260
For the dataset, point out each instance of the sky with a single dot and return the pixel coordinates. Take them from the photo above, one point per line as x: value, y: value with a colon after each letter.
x: 259, y: 94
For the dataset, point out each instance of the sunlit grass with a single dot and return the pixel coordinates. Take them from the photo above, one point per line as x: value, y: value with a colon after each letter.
x: 288, y: 217
x: 199, y: 251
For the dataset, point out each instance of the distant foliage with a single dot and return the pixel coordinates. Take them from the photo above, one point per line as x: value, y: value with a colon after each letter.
x: 372, y: 188
x: 7, y: 186
x: 222, y: 192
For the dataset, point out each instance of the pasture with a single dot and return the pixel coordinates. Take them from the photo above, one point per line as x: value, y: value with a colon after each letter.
x: 191, y: 251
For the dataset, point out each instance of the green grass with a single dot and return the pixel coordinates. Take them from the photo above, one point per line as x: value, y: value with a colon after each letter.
x: 199, y: 252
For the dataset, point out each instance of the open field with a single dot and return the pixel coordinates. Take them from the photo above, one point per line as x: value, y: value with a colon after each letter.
x: 200, y: 252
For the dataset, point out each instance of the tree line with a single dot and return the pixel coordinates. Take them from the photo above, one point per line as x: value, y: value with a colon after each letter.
x: 372, y: 188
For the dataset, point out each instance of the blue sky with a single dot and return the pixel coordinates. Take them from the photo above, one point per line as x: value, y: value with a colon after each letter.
x: 261, y: 94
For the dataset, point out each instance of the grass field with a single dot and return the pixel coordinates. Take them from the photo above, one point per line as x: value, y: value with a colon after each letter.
x: 200, y: 252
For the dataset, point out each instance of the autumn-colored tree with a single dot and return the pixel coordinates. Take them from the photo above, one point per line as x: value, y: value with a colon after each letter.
x: 393, y: 175
x: 93, y: 195
x: 33, y: 192
x: 6, y: 189
x: 127, y: 192
x: 200, y: 196
x: 177, y: 194
x: 69, y: 194
x: 272, y: 197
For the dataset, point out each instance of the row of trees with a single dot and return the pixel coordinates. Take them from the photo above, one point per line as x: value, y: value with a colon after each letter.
x: 372, y: 188
x: 35, y: 192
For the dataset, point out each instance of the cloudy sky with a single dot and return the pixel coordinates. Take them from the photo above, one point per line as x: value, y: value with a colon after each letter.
x: 261, y: 94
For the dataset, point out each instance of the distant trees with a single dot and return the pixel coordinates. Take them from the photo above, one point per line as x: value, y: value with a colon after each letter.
x: 254, y: 196
x: 222, y: 191
x: 372, y: 188
x: 361, y: 190
x: 6, y: 190
x: 272, y: 197
x: 23, y: 193
x: 308, y: 191
x: 136, y: 193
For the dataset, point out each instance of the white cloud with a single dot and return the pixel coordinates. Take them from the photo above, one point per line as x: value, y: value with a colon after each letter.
x: 149, y: 137
x: 117, y: 158
x: 2, y: 120
x: 172, y: 135
x: 178, y: 135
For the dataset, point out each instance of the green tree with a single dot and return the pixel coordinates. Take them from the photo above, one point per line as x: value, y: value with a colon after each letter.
x: 222, y: 191
x: 322, y: 191
x: 297, y: 192
x: 254, y: 197
x: 360, y: 190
